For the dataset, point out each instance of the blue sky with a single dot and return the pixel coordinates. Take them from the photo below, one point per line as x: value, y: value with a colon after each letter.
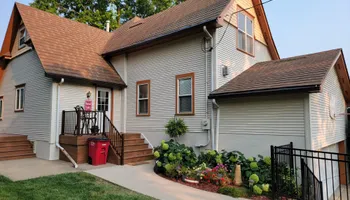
x: 298, y: 26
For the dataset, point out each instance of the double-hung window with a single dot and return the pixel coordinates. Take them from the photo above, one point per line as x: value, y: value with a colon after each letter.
x: 185, y: 94
x: 22, y: 37
x: 245, y: 33
x: 1, y: 107
x: 143, y: 103
x: 19, y: 99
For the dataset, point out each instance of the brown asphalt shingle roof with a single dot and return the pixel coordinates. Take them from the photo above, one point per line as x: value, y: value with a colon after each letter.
x: 67, y: 48
x: 186, y: 15
x: 305, y: 71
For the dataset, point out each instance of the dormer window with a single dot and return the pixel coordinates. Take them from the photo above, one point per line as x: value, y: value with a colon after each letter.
x: 22, y: 37
x: 245, y: 33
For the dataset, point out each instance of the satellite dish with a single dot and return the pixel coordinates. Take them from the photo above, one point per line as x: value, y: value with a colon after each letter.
x: 332, y: 107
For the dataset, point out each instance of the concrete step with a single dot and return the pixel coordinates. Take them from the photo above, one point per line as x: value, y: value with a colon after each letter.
x: 135, y: 159
x: 136, y: 153
x: 23, y: 156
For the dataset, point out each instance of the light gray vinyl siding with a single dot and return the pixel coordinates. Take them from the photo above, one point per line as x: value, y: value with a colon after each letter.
x: 252, y: 124
x: 236, y: 61
x: 72, y: 95
x: 160, y: 65
x: 325, y: 130
x: 35, y: 121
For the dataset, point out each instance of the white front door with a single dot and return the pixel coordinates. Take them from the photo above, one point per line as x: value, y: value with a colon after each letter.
x: 103, y: 101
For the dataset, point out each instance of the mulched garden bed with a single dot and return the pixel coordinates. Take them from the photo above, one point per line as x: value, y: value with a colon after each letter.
x: 207, y: 187
x: 202, y: 186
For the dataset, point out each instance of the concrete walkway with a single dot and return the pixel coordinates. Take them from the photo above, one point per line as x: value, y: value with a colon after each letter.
x: 142, y: 179
x: 24, y: 169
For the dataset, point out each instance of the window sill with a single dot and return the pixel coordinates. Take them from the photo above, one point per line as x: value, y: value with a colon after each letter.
x: 19, y: 110
x: 252, y: 55
x: 144, y: 115
x: 185, y: 114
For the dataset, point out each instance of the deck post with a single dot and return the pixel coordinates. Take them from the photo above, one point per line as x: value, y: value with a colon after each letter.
x: 104, y: 123
x: 63, y: 122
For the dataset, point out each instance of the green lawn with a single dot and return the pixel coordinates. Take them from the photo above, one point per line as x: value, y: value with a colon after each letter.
x: 65, y: 187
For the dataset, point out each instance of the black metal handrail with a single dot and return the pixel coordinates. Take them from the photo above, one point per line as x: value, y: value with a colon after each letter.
x: 311, y: 186
x: 116, y: 138
x: 82, y: 122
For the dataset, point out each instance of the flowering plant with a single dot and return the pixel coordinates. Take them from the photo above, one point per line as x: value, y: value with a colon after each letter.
x: 217, y: 175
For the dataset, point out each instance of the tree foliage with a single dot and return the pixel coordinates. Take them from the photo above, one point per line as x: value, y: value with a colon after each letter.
x: 97, y: 12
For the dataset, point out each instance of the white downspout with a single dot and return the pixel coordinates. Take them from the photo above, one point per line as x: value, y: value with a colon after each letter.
x: 206, y: 88
x: 217, y: 132
x: 57, y: 125
x: 211, y: 87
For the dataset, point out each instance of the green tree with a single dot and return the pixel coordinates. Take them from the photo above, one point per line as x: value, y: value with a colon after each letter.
x: 97, y: 12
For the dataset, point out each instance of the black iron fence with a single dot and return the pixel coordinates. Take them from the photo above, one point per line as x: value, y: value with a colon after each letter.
x: 310, y: 185
x: 307, y: 174
x: 82, y: 122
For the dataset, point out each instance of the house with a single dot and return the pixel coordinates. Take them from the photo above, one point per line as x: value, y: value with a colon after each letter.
x: 211, y: 62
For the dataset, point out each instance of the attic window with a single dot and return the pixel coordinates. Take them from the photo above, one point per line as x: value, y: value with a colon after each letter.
x: 245, y: 33
x: 22, y: 37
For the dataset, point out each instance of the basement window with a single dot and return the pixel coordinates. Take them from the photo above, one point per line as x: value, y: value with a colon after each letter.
x: 143, y: 103
x: 245, y: 33
x: 22, y: 37
x: 19, y: 100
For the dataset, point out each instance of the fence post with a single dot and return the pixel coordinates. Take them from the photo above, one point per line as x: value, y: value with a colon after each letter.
x: 63, y: 122
x: 273, y: 172
x: 302, y: 163
x: 291, y: 162
x: 122, y: 153
x: 104, y: 123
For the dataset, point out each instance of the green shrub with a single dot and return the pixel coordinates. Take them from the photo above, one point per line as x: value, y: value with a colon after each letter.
x: 211, y: 157
x: 257, y: 190
x: 234, y: 191
x: 173, y: 157
x: 176, y: 127
x: 254, y: 178
x: 265, y: 187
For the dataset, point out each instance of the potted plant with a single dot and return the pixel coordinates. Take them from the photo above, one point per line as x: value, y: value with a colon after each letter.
x: 176, y: 127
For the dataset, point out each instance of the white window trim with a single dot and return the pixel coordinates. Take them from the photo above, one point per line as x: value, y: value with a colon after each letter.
x: 190, y: 76
x: 20, y: 46
x: 21, y: 106
x: 2, y: 107
x: 141, y: 83
x: 245, y: 33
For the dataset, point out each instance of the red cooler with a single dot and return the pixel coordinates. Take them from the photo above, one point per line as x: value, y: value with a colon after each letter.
x: 98, y: 151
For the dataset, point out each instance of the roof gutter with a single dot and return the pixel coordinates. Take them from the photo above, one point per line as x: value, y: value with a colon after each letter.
x: 309, y: 89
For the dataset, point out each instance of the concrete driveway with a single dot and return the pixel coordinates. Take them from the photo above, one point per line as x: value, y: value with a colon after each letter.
x: 142, y: 179
x: 34, y: 167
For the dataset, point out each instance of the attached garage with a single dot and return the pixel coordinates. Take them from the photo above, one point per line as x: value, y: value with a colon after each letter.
x: 301, y: 99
